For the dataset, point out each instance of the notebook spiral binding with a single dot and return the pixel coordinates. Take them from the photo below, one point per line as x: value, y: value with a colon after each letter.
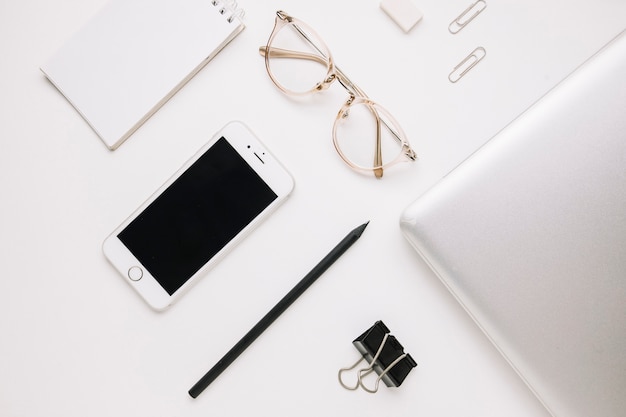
x: 229, y: 8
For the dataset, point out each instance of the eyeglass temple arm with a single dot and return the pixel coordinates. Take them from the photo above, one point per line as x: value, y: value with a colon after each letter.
x: 285, y: 53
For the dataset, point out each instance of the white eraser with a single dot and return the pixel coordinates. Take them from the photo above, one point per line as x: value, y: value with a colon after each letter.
x: 403, y: 12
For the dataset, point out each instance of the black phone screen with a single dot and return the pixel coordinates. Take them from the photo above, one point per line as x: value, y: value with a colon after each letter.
x: 197, y: 215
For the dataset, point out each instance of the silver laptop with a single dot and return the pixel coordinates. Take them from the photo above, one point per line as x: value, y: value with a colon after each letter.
x: 529, y: 234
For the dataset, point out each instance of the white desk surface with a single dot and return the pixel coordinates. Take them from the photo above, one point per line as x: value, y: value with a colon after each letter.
x: 77, y: 341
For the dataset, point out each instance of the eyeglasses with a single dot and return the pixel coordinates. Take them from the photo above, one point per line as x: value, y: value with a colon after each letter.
x: 365, y: 134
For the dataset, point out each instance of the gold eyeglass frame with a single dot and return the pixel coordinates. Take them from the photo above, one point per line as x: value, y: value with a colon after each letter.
x: 357, y: 96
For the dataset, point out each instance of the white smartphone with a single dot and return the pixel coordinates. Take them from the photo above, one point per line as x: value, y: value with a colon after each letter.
x: 198, y: 215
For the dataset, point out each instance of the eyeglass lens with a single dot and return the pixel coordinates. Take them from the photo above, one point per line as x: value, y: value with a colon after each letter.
x: 363, y: 135
x: 298, y: 59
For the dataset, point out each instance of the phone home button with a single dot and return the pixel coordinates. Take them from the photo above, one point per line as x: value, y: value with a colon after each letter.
x: 135, y: 273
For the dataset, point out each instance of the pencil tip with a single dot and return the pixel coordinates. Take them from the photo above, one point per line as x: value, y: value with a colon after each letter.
x: 359, y: 230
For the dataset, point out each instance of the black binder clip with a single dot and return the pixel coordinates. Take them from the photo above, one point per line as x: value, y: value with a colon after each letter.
x: 385, y: 356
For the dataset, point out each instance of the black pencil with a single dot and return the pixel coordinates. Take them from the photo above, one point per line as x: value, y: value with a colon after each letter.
x: 278, y: 309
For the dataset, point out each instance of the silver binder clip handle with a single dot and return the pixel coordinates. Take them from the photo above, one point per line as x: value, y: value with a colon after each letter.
x: 363, y: 372
x: 342, y: 370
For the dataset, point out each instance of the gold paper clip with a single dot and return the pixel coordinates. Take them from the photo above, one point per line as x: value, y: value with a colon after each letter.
x: 467, y: 16
x: 467, y: 64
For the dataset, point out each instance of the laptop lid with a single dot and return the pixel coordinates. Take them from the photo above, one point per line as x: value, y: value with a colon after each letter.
x: 529, y: 234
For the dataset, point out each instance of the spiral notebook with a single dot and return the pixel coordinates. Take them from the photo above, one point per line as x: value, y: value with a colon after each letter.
x: 133, y: 55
